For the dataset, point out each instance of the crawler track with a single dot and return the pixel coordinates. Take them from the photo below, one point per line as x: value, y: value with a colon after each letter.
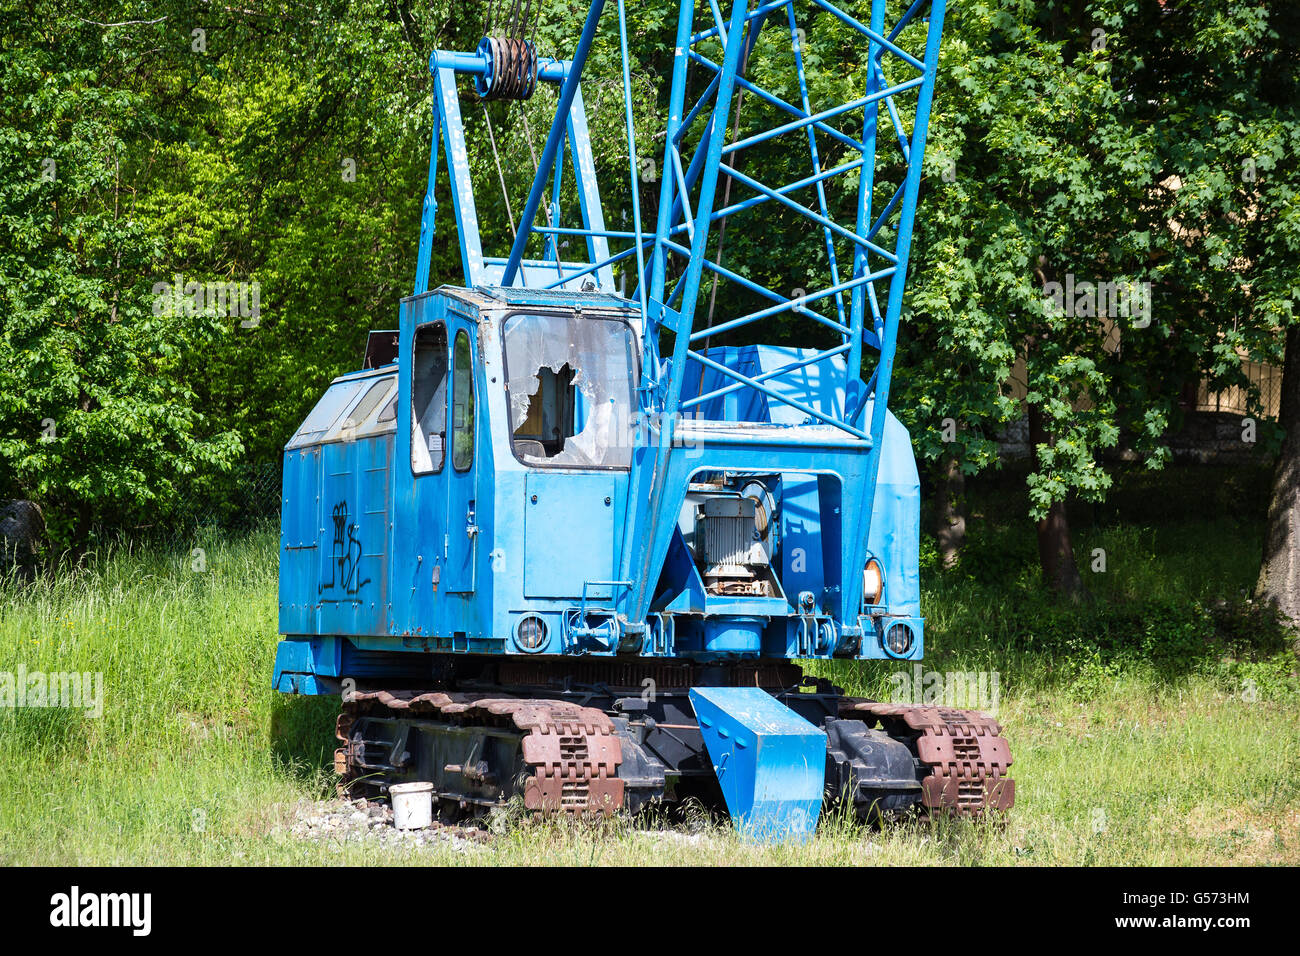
x: 566, y: 761
x: 480, y: 750
x: 966, y: 756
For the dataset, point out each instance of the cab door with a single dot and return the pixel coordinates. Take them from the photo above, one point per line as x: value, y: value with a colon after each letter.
x: 420, y: 471
x: 462, y: 541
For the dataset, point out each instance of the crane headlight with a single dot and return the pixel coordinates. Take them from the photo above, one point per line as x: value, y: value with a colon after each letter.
x: 530, y: 635
x: 899, y: 640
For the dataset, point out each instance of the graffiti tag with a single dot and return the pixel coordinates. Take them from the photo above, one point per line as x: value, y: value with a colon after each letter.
x: 345, y: 556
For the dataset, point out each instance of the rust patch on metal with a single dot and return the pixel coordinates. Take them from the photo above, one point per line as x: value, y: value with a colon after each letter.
x: 968, y: 757
x: 572, y: 751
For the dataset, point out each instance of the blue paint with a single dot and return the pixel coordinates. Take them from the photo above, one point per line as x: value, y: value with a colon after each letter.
x: 770, y: 762
x: 433, y: 506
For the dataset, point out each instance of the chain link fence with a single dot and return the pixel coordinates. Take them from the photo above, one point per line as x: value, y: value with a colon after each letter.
x: 240, y: 500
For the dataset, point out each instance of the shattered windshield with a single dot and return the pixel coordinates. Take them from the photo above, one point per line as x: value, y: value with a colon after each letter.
x: 570, y: 384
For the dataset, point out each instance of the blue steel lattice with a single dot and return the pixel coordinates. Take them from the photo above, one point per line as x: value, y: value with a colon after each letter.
x: 688, y: 212
x: 860, y: 309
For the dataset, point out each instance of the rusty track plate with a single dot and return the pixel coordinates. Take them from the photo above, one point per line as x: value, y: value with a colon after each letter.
x: 967, y: 755
x: 573, y: 751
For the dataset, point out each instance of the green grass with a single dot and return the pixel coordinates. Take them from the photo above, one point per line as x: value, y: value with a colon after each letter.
x: 1158, y: 724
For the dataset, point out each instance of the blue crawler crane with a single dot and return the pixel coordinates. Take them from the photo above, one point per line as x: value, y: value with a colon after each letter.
x: 551, y: 543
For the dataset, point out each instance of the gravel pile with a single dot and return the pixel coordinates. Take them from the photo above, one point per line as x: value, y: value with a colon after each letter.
x: 355, y: 821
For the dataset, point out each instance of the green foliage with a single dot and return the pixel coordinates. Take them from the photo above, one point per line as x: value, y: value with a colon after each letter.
x: 95, y: 417
x: 288, y: 146
x: 1113, y: 142
x: 1180, y: 551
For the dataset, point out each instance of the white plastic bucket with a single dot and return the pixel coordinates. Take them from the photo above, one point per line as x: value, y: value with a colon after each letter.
x: 412, y: 805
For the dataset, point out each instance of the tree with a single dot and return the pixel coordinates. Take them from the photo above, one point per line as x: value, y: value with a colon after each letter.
x: 1080, y: 149
x: 94, y: 422
x: 282, y: 148
x: 1279, y: 576
x: 1025, y: 184
x: 1221, y: 85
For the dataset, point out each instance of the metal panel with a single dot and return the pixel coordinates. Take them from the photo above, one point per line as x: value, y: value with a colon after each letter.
x: 419, y: 501
x: 300, y: 517
x: 465, y: 408
x: 569, y: 534
x: 352, y: 552
x: 343, y: 574
x: 374, y: 458
x: 770, y: 762
x: 337, y: 397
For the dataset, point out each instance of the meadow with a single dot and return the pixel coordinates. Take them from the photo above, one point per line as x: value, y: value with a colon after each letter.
x: 1157, y: 724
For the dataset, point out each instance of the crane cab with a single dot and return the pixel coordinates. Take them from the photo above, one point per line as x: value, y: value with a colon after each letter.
x: 462, y: 495
x: 473, y: 495
x: 512, y: 460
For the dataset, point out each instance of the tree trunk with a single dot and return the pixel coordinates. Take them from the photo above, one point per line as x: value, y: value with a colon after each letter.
x: 1055, y: 553
x: 1279, y: 573
x: 22, y: 537
x: 950, y: 515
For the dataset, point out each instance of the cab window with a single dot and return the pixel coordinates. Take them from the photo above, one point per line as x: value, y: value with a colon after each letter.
x: 570, y: 383
x: 462, y: 397
x: 429, y: 399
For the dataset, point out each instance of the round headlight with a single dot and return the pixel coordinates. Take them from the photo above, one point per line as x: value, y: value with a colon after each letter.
x: 899, y: 639
x: 531, y: 633
x: 873, y: 582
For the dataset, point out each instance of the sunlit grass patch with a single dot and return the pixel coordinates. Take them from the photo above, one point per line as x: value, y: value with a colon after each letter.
x: 1159, y: 725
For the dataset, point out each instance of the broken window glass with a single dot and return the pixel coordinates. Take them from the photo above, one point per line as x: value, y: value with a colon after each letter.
x: 570, y: 380
x: 361, y: 412
x: 336, y: 398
